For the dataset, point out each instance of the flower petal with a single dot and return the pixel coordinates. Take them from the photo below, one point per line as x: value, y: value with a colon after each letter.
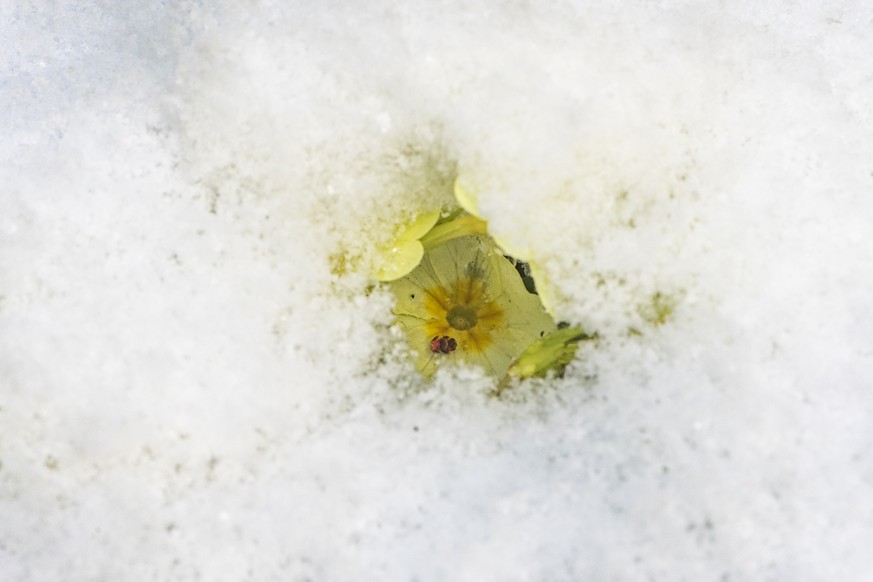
x: 467, y: 198
x: 545, y: 289
x: 420, y: 225
x: 399, y: 260
x: 403, y: 254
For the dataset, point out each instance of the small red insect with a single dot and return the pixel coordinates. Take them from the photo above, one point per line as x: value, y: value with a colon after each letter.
x: 443, y: 344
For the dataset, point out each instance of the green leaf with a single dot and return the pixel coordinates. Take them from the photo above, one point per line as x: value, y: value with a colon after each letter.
x: 551, y: 353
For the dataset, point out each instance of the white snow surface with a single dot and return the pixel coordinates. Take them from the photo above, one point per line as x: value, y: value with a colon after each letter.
x: 188, y: 391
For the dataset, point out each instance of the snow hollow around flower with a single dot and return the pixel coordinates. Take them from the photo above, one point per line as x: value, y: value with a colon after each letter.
x: 189, y: 392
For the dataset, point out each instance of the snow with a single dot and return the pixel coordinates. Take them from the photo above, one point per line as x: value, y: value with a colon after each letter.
x: 188, y: 390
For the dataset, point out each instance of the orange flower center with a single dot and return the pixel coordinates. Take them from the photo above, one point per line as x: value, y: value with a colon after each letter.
x: 465, y: 312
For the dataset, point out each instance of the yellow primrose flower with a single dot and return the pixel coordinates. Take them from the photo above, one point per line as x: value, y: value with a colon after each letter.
x: 469, y: 201
x: 467, y: 294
